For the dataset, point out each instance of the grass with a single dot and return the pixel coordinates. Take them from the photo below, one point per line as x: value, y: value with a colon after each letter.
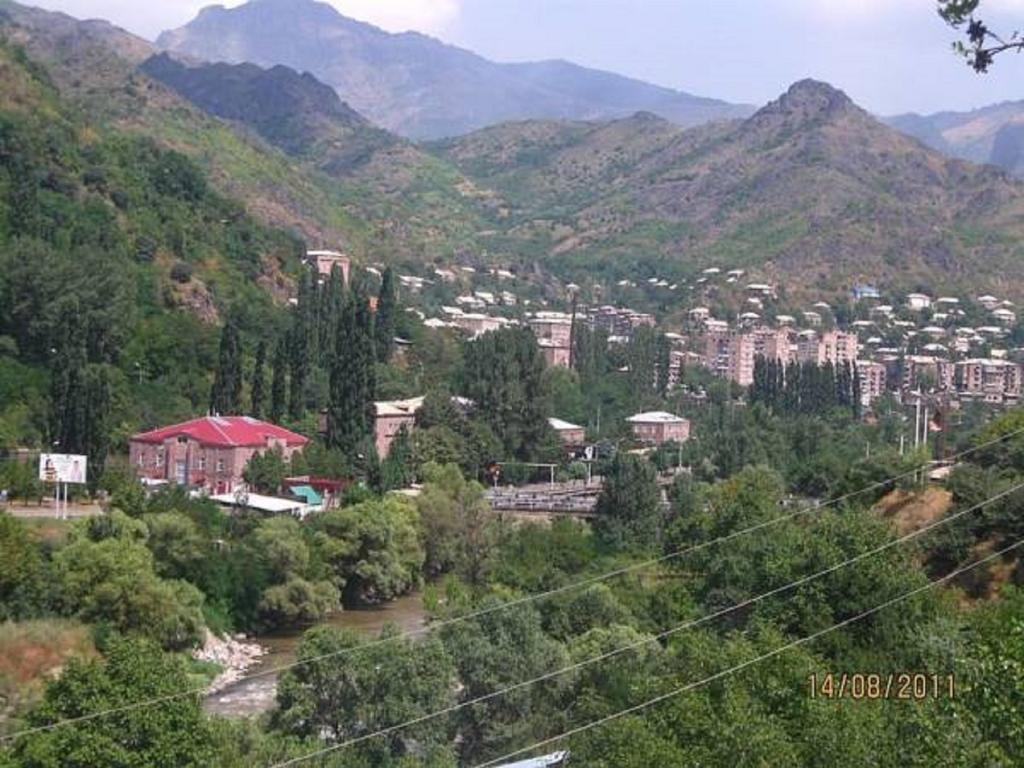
x: 32, y: 652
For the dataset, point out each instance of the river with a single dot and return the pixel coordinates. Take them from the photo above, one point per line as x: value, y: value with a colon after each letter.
x: 249, y: 697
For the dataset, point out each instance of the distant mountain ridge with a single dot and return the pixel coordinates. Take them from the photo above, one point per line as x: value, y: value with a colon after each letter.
x: 810, y: 190
x: 989, y: 134
x: 292, y: 111
x: 420, y: 87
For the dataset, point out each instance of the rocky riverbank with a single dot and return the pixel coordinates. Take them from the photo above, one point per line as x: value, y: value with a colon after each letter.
x: 233, y: 655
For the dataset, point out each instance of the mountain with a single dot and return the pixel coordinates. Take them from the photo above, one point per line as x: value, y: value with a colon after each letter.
x: 325, y: 173
x: 810, y: 190
x: 297, y: 113
x: 987, y: 135
x: 415, y: 85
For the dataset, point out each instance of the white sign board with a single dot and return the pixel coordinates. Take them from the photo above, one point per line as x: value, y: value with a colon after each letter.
x: 61, y: 468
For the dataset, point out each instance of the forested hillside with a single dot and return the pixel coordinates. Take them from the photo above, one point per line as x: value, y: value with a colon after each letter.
x: 104, y: 238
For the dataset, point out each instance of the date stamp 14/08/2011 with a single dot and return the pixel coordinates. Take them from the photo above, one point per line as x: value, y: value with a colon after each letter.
x: 896, y: 686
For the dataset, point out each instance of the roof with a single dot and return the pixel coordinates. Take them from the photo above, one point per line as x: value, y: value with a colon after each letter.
x: 398, y: 407
x: 546, y: 761
x: 225, y: 432
x: 562, y: 426
x: 262, y: 503
x: 308, y: 493
x: 658, y: 417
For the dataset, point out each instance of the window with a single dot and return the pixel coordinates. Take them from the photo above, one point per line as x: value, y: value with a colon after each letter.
x: 220, y: 465
x: 201, y: 463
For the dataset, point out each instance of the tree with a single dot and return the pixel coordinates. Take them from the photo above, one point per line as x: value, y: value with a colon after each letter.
x: 387, y: 307
x: 173, y: 733
x: 300, y: 344
x: 68, y: 396
x: 226, y: 394
x: 256, y: 395
x: 372, y: 549
x: 629, y: 507
x: 22, y: 577
x: 338, y: 695
x: 266, y: 471
x: 503, y: 374
x: 983, y: 45
x: 350, y: 413
x: 460, y: 532
x: 279, y: 384
x: 496, y: 650
x: 106, y: 575
x: 397, y: 467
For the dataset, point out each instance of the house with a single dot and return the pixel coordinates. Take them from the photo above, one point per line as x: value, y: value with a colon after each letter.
x: 659, y: 427
x: 210, y: 452
x: 554, y: 760
x: 324, y: 263
x: 919, y: 301
x: 390, y: 416
x: 569, y: 434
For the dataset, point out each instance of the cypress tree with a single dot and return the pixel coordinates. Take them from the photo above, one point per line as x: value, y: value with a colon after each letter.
x: 301, y: 344
x: 279, y: 384
x: 96, y: 437
x: 226, y: 393
x: 256, y: 394
x: 384, y: 323
x: 68, y: 395
x: 352, y: 380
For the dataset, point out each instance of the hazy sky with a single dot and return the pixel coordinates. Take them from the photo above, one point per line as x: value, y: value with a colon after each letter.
x: 889, y: 55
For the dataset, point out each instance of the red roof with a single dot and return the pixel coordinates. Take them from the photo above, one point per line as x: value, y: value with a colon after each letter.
x: 225, y: 432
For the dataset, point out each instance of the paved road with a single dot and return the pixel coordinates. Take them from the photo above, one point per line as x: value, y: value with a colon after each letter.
x: 46, y: 511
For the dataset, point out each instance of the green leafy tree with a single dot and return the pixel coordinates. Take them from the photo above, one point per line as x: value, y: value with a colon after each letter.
x: 460, y: 533
x: 629, y: 508
x: 266, y: 471
x: 173, y: 733
x: 496, y: 650
x: 22, y: 578
x: 341, y: 691
x: 372, y: 548
x: 504, y: 376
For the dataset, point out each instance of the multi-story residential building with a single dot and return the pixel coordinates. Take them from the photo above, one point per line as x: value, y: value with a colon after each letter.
x: 920, y: 371
x: 872, y: 381
x: 659, y: 427
x: 730, y: 354
x: 773, y: 344
x: 835, y: 347
x: 993, y: 381
x: 210, y: 452
x: 619, y: 321
x: 554, y: 336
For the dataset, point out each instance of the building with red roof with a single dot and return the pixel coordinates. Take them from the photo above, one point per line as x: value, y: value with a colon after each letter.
x: 210, y: 452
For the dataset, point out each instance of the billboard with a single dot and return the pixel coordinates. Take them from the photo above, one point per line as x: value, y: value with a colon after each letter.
x: 61, y: 468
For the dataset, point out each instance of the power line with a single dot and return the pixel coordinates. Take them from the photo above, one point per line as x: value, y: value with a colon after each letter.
x: 756, y: 660
x: 199, y: 690
x: 654, y: 638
